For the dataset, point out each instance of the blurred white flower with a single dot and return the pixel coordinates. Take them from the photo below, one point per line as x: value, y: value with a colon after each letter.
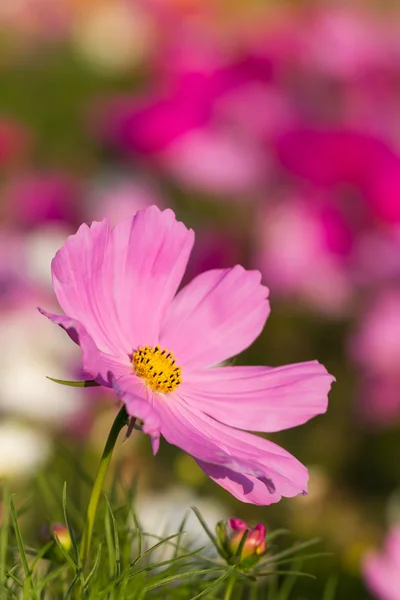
x: 21, y: 450
x: 32, y: 351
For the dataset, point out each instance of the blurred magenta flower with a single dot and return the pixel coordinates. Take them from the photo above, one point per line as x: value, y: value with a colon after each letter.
x: 382, y: 570
x: 229, y: 537
x: 31, y: 199
x: 343, y: 157
x: 161, y: 351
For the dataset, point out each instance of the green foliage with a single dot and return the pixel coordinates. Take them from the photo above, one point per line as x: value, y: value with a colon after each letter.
x: 126, y: 562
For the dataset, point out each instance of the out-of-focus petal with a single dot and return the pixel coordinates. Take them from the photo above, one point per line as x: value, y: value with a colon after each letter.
x: 261, y: 398
x: 216, y: 316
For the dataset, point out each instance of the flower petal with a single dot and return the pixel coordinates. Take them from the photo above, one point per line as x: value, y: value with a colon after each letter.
x: 82, y: 281
x: 119, y: 283
x: 217, y: 315
x: 151, y: 252
x: 261, y: 398
x: 138, y: 407
x: 257, y: 470
x: 95, y: 364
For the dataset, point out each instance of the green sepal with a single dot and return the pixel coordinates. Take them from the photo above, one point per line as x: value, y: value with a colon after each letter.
x: 88, y: 383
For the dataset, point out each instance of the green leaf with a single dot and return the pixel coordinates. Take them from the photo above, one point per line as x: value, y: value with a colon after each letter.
x: 166, y: 580
x: 116, y: 539
x: 4, y: 530
x: 205, y: 526
x: 86, y: 383
x: 330, y: 590
x: 181, y: 532
x: 214, y: 583
x: 79, y: 568
x: 18, y: 536
x: 94, y: 569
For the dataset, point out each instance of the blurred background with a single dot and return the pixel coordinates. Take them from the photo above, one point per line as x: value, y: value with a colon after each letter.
x: 273, y: 129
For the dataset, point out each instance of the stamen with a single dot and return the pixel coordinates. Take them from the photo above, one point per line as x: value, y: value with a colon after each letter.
x: 157, y: 368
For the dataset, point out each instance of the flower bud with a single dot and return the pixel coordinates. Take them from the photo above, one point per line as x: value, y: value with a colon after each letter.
x: 230, y: 535
x: 53, y: 531
x: 60, y: 531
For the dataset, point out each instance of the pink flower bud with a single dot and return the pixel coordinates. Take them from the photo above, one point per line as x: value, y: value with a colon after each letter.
x: 230, y: 535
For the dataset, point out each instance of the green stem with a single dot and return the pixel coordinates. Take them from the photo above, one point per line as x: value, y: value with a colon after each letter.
x: 230, y: 586
x: 120, y: 421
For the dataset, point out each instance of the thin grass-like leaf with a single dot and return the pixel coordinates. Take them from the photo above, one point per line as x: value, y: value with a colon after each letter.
x: 214, y: 584
x: 110, y: 543
x: 78, y: 562
x: 294, y: 573
x: 330, y: 590
x: 50, y: 576
x: 116, y: 539
x: 204, y: 526
x: 4, y: 530
x: 94, y: 568
x: 21, y: 548
x: 88, y: 383
x: 40, y: 554
x: 276, y: 533
x: 181, y: 532
x: 71, y: 587
x: 10, y: 575
x: 166, y: 580
x: 150, y: 550
x: 290, y: 551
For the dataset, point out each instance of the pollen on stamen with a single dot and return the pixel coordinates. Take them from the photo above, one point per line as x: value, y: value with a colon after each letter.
x: 157, y: 368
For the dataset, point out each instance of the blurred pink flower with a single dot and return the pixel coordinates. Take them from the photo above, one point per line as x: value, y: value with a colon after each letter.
x: 217, y: 162
x: 382, y: 570
x: 302, y: 247
x: 376, y: 344
x: 375, y: 347
x: 119, y: 196
x: 118, y: 288
x: 31, y: 199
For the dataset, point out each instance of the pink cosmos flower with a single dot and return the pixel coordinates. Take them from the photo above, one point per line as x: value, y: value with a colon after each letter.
x: 382, y: 570
x: 160, y: 350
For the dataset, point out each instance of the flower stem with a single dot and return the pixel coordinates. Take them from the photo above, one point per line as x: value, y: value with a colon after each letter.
x: 230, y: 586
x: 120, y: 421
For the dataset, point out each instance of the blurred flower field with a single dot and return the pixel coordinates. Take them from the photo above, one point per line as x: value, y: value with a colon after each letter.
x: 273, y: 130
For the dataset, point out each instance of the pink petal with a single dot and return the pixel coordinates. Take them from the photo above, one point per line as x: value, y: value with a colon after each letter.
x: 95, y: 364
x: 260, y: 398
x: 138, y: 407
x: 236, y: 523
x: 151, y: 251
x: 216, y: 316
x: 381, y: 576
x: 253, y: 469
x: 119, y: 283
x: 245, y: 488
x: 82, y: 280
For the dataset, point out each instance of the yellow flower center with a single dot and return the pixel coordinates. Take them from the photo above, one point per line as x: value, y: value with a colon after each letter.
x: 157, y: 367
